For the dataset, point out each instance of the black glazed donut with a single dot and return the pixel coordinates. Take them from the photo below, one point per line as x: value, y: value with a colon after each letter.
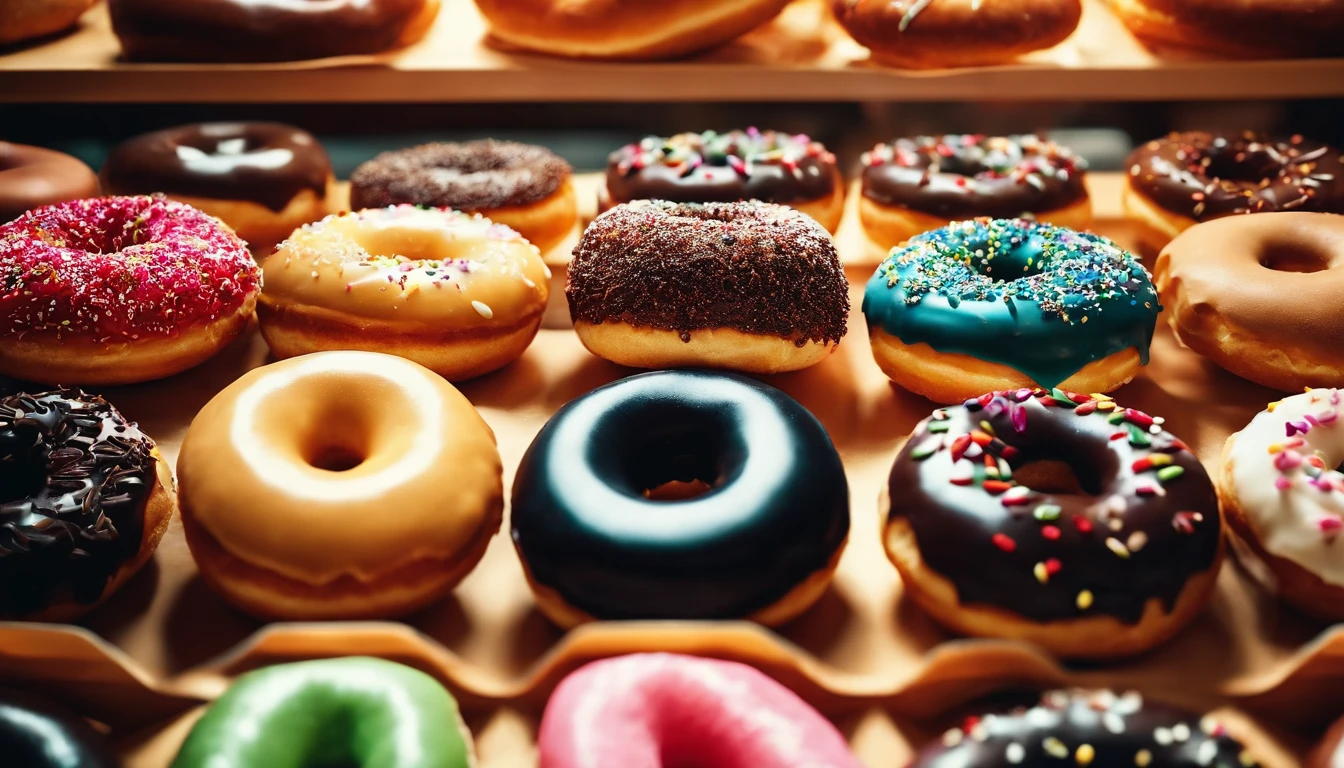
x: 764, y: 538
x: 1097, y: 729
x: 36, y: 734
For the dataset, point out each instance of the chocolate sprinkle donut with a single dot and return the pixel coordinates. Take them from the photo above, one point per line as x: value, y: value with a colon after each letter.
x: 1205, y: 175
x: 1087, y: 728
x: 474, y: 176
x: 754, y: 267
x: 74, y: 476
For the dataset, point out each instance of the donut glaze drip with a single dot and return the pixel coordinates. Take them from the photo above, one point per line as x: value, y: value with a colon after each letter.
x: 959, y: 176
x: 1144, y: 521
x: 73, y: 477
x: 1097, y: 729
x: 1204, y: 175
x: 714, y: 167
x: 1043, y: 300
x: 265, y: 163
x: 474, y: 176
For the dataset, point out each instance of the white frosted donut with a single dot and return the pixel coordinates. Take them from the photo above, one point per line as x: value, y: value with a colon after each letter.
x: 1284, y: 497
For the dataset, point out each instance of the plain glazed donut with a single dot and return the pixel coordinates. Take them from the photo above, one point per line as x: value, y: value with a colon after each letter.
x: 88, y: 497
x: 119, y: 290
x: 263, y: 179
x: 521, y: 186
x: 1284, y: 498
x: 1259, y: 296
x: 606, y: 517
x: 314, y: 488
x: 1082, y: 728
x: 266, y: 30
x: 657, y: 709
x: 1254, y: 29
x: 602, y: 29
x: 458, y: 294
x: 993, y: 538
x: 352, y: 711
x: 31, y: 177
x: 36, y: 734
x: 711, y: 167
x: 911, y: 186
x: 23, y: 20
x: 748, y: 286
x: 1185, y: 178
x: 983, y: 305
x: 931, y: 34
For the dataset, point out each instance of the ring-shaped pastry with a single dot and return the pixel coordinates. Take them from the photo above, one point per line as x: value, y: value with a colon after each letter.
x: 34, y: 733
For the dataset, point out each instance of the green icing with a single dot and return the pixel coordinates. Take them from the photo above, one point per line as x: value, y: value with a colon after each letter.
x: 356, y: 712
x: 1043, y: 300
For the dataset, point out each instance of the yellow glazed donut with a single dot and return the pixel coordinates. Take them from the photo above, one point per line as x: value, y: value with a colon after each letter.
x: 340, y: 485
x: 452, y: 291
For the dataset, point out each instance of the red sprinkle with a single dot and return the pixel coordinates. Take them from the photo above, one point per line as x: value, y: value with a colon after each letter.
x: 1138, y: 417
x: 995, y: 487
x: 981, y: 439
x: 1052, y: 566
x: 1050, y: 532
x: 1003, y: 542
x: 1119, y: 435
x: 1083, y: 524
x: 959, y: 446
x: 1086, y: 408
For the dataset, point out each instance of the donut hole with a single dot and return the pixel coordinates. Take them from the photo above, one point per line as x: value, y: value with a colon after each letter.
x: 336, y: 458
x: 1007, y: 261
x: 674, y: 467
x: 415, y: 244
x: 1056, y: 476
x: 1293, y: 257
x: 673, y: 454
x: 1249, y: 167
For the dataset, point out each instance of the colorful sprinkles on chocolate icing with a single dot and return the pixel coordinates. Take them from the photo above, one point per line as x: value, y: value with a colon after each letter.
x: 739, y: 151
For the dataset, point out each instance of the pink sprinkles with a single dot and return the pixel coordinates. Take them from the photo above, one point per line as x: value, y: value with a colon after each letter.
x: 119, y: 269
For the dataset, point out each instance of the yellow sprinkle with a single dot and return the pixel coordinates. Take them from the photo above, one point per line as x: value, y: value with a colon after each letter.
x: 1042, y: 575
x: 1105, y: 405
x: 1084, y: 754
x: 1084, y: 318
x: 1246, y: 758
x: 989, y: 430
x: 1276, y: 448
x: 1143, y: 758
x: 1307, y: 390
x: 1100, y: 396
x: 1116, y: 546
x: 1159, y: 459
x: 1273, y: 405
x: 1084, y: 599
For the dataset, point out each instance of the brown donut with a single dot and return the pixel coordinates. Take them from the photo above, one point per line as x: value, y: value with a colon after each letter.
x: 930, y: 34
x: 523, y: 186
x: 22, y: 20
x: 32, y: 176
x: 266, y: 30
x: 1263, y: 29
x: 1259, y: 295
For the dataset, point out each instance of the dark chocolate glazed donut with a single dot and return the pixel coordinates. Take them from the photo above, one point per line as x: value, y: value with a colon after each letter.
x: 714, y: 167
x: 472, y: 176
x: 36, y: 734
x: 776, y: 513
x: 31, y: 177
x: 74, y: 479
x: 965, y: 176
x: 1205, y: 175
x: 1144, y: 521
x: 265, y: 163
x: 1096, y: 729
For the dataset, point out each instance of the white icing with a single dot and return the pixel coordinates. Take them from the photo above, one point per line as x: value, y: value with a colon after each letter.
x: 1287, y: 486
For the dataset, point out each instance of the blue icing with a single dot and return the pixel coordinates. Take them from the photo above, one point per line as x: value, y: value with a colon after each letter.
x: 1043, y: 300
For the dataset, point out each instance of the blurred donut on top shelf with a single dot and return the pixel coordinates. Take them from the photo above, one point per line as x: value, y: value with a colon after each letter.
x: 31, y: 177
x: 712, y: 167
x: 620, y: 29
x: 22, y: 20
x: 935, y: 34
x: 263, y: 179
x: 266, y: 30
x: 1252, y: 29
x: 522, y: 186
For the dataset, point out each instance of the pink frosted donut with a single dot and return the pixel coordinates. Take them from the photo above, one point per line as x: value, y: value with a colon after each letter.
x: 654, y: 709
x: 117, y: 290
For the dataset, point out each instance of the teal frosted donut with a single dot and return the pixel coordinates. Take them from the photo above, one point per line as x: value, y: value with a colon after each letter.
x: 992, y: 304
x: 356, y: 712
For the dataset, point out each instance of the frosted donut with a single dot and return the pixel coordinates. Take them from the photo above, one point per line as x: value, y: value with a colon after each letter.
x: 1284, y: 498
x: 31, y: 177
x: 454, y: 292
x: 339, y: 485
x: 658, y: 709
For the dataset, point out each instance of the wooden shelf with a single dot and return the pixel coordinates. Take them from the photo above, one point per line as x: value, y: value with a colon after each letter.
x: 801, y: 56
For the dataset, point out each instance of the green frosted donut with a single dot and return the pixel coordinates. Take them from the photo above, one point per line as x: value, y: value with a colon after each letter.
x: 357, y: 711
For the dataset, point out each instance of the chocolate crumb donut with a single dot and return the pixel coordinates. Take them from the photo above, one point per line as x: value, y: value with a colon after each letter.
x: 750, y: 286
x: 522, y: 186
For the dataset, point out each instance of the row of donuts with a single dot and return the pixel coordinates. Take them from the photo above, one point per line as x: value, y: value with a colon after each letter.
x: 636, y: 711
x: 909, y: 33
x: 1051, y: 516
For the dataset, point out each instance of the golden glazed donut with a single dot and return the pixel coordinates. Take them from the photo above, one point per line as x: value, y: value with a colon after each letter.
x: 1249, y: 29
x: 931, y: 34
x: 22, y: 20
x: 1259, y: 295
x: 454, y: 292
x: 338, y: 485
x: 620, y: 29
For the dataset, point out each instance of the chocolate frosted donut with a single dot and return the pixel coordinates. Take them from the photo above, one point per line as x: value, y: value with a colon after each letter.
x: 714, y: 167
x: 1087, y: 728
x: 993, y: 536
x: 31, y: 177
x: 83, y: 506
x: 265, y: 30
x: 763, y: 271
x: 34, y: 733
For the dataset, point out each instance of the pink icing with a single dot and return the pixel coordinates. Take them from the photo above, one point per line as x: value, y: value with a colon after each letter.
x: 653, y: 710
x: 119, y: 268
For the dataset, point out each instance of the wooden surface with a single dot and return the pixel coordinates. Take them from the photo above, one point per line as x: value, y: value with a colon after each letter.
x: 802, y: 56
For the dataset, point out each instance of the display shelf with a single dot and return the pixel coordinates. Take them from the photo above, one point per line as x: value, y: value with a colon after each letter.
x: 801, y: 56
